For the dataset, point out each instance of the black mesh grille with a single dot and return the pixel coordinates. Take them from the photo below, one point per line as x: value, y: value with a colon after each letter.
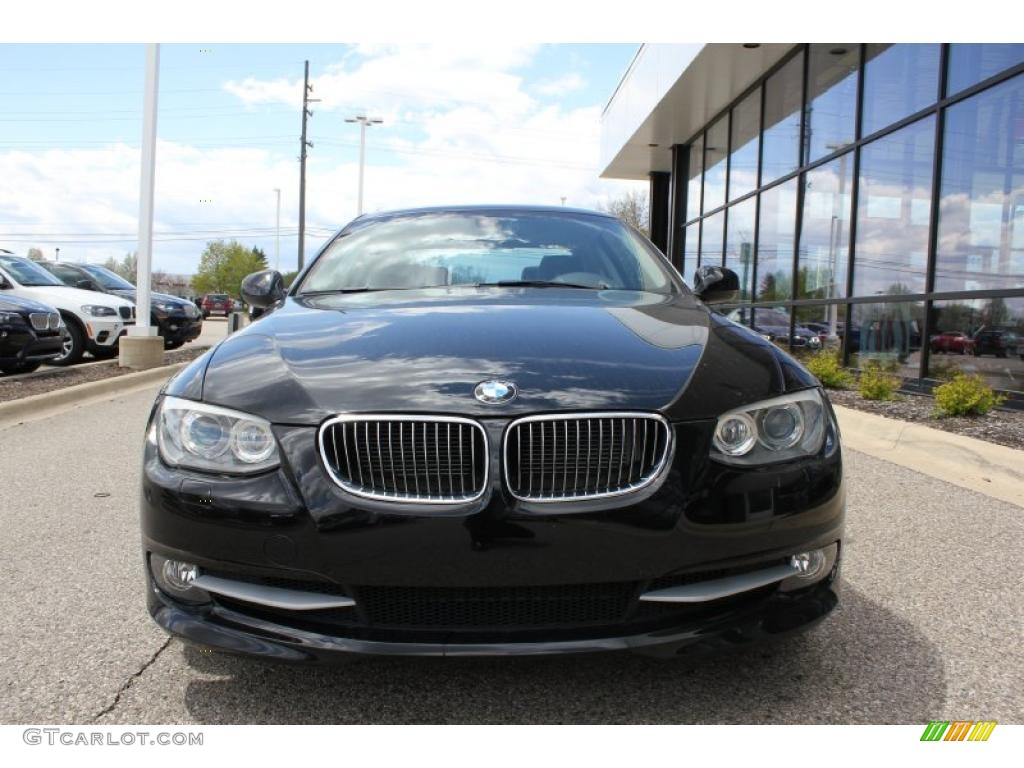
x: 407, y: 459
x: 580, y: 457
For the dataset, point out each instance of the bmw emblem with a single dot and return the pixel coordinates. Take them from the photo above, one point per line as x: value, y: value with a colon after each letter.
x: 495, y: 392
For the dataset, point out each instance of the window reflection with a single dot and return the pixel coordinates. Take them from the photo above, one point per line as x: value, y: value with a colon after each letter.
x: 691, y: 249
x: 825, y: 234
x: 982, y: 336
x: 746, y: 125
x: 970, y: 64
x: 783, y: 96
x: 711, y: 239
x: 715, y: 150
x: 831, y: 98
x: 893, y: 212
x: 739, y: 244
x: 981, y: 212
x: 889, y: 334
x: 776, y: 236
x: 693, y: 185
x: 899, y: 80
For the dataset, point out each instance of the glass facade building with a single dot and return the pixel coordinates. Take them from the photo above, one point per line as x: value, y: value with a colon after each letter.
x: 873, y: 194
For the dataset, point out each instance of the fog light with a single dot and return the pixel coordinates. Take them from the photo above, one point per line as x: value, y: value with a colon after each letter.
x: 809, y: 563
x: 179, y: 575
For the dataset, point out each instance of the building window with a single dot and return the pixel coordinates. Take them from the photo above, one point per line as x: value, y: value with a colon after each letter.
x: 693, y: 185
x: 979, y: 336
x: 825, y: 230
x: 716, y: 145
x: 830, y: 123
x: 894, y: 212
x: 887, y: 333
x: 746, y: 128
x: 783, y: 97
x: 981, y: 211
x: 711, y: 239
x: 971, y: 64
x: 899, y: 80
x: 775, y: 241
x: 739, y: 244
x: 691, y: 250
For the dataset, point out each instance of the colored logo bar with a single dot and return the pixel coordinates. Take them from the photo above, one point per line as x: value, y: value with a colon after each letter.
x: 958, y: 730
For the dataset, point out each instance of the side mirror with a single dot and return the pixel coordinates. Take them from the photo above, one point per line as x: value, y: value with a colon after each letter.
x: 4, y: 285
x: 263, y: 289
x: 86, y: 285
x: 716, y: 285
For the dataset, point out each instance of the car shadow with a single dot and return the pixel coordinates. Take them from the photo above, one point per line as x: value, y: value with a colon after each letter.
x: 864, y: 664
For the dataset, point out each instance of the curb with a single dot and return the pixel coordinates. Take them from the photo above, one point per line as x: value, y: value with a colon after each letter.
x: 993, y: 470
x: 14, y: 411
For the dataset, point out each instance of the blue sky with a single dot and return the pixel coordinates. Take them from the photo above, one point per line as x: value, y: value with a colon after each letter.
x: 483, y: 123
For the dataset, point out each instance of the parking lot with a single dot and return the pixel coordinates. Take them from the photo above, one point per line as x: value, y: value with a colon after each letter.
x: 928, y: 628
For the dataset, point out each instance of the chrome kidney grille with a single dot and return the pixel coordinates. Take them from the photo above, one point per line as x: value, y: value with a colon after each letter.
x: 45, y: 321
x: 414, y: 459
x: 584, y: 456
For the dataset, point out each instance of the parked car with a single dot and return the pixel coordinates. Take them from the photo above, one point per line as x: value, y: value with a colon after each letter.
x: 773, y: 324
x: 998, y: 340
x: 31, y: 333
x: 487, y: 430
x: 95, y: 322
x: 177, y: 320
x: 217, y: 303
x: 952, y: 342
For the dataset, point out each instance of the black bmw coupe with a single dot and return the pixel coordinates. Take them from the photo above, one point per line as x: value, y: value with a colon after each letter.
x: 490, y: 430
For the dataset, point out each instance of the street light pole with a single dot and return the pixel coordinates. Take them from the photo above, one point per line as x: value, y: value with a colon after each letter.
x: 364, y: 123
x: 277, y: 244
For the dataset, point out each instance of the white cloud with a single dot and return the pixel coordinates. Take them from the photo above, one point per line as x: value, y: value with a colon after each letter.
x: 560, y: 86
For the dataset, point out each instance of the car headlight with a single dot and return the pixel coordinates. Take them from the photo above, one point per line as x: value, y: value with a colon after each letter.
x: 161, y: 306
x: 11, y: 318
x: 780, y: 429
x: 214, y: 439
x: 97, y: 311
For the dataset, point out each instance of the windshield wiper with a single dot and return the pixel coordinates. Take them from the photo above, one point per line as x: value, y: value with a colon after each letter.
x: 368, y: 289
x: 539, y: 284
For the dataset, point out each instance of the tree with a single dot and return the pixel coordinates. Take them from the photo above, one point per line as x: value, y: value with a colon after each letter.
x: 223, y: 265
x: 632, y: 207
x: 35, y: 254
x: 126, y: 268
x: 289, y: 278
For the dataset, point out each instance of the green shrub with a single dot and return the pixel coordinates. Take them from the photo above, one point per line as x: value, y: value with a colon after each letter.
x: 966, y: 395
x: 876, y: 383
x: 828, y: 369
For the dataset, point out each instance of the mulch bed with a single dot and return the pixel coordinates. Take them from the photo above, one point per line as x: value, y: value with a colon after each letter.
x: 48, y: 379
x: 1004, y: 427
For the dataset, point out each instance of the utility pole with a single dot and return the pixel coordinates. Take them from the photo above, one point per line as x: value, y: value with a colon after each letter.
x: 277, y: 243
x: 306, y: 114
x: 364, y: 122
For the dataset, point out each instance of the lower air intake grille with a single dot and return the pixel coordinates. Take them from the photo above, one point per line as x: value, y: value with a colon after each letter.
x: 433, y: 460
x: 584, y: 456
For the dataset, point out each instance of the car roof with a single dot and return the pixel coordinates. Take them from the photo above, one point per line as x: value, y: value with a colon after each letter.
x: 487, y: 209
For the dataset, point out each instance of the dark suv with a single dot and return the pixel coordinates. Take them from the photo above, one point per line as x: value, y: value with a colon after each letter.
x: 30, y: 334
x: 177, y: 320
x: 998, y: 340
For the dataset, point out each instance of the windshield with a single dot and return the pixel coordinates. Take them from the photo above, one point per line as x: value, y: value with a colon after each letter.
x: 26, y: 272
x: 109, y: 280
x: 472, y: 248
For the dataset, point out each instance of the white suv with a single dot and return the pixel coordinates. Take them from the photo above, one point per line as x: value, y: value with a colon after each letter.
x: 95, y: 321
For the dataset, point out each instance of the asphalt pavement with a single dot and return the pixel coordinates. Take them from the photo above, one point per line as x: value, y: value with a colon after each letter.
x: 929, y: 625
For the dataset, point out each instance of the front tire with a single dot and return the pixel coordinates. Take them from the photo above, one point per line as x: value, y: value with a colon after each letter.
x: 74, y: 344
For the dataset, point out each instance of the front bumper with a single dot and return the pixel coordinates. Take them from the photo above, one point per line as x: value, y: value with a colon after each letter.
x: 293, y: 525
x: 105, y: 333
x: 179, y: 328
x: 22, y: 344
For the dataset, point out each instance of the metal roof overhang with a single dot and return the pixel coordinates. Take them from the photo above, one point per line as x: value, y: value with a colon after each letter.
x: 668, y: 93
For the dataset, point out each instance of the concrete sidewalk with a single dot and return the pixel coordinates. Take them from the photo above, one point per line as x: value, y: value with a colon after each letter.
x: 977, y: 465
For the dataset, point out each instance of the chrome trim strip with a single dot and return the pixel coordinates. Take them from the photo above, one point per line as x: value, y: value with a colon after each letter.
x: 655, y: 475
x: 407, y: 498
x: 716, y: 589
x: 274, y: 597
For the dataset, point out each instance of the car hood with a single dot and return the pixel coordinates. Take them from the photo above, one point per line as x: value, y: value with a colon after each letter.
x: 425, y: 351
x: 66, y: 297
x: 9, y: 303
